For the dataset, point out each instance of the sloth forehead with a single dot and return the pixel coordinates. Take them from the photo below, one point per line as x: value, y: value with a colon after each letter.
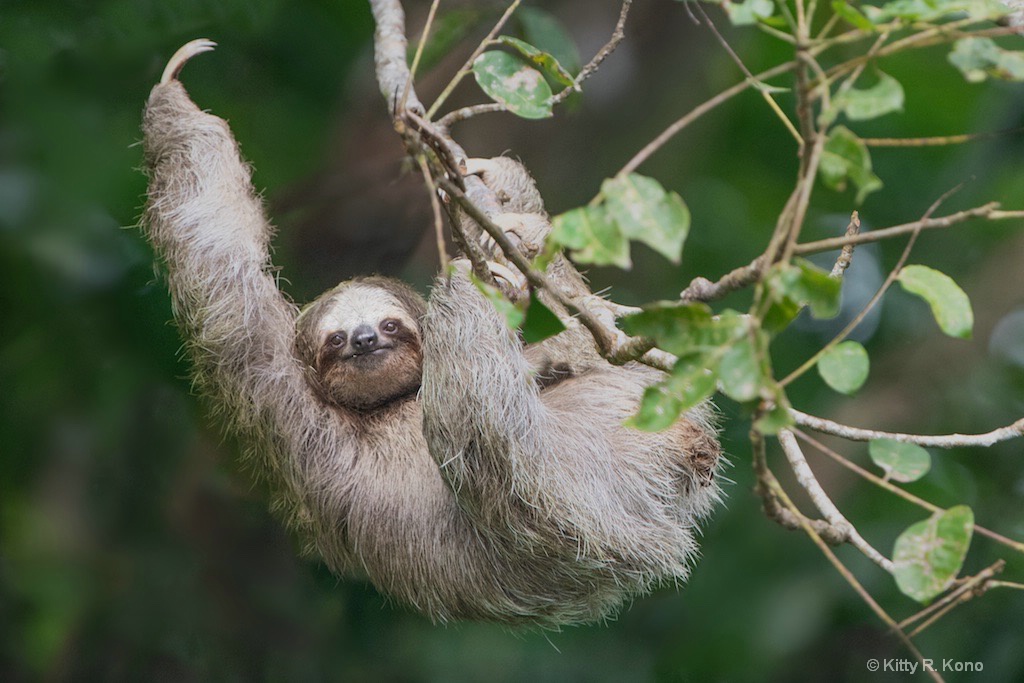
x: 363, y: 305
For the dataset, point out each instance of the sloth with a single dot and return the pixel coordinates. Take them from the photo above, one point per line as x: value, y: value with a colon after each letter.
x: 410, y: 441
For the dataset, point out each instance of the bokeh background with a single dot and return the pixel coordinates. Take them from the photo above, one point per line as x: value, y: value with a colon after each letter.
x: 133, y: 548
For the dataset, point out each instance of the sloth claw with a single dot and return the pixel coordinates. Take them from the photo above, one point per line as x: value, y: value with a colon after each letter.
x: 185, y: 53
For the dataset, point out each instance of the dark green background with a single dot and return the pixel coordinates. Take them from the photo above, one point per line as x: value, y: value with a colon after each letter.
x: 132, y: 547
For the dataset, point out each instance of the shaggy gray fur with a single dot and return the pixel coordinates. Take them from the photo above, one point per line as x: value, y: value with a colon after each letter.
x: 529, y: 505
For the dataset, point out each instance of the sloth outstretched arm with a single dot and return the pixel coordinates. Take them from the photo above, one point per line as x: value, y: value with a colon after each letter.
x: 207, y: 225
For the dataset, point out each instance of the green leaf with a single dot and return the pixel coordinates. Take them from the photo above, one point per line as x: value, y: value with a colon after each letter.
x: 542, y: 29
x: 593, y: 237
x: 806, y: 284
x: 740, y: 371
x: 509, y: 311
x: 510, y: 81
x: 645, y: 212
x: 748, y: 12
x: 686, y: 329
x: 548, y: 65
x: 903, y: 462
x: 980, y: 58
x: 852, y: 16
x: 692, y: 380
x: 949, y: 303
x: 844, y: 158
x: 844, y: 367
x: 882, y: 98
x: 928, y: 556
x: 540, y: 322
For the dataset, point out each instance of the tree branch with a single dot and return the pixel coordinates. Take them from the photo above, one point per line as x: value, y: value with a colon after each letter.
x: 592, y: 66
x: 819, y: 424
x: 805, y: 477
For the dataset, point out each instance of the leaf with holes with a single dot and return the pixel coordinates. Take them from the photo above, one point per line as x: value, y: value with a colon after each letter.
x: 510, y: 81
x: 592, y: 236
x: 928, y: 556
x: 884, y: 97
x: 544, y: 61
x: 949, y: 303
x: 902, y: 462
x: 844, y: 367
x: 692, y: 380
x: 645, y: 212
x: 846, y: 158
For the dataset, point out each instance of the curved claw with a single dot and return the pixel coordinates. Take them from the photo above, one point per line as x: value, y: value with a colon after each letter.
x: 185, y: 53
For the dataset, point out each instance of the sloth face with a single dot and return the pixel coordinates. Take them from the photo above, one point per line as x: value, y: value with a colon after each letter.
x: 363, y: 346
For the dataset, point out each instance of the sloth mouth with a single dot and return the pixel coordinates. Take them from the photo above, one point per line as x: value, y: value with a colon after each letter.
x: 361, y: 356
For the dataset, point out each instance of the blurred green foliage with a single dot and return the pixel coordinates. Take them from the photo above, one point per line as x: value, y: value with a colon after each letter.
x: 131, y: 547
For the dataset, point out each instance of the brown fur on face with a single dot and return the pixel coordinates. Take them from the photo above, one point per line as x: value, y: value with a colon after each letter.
x: 342, y: 375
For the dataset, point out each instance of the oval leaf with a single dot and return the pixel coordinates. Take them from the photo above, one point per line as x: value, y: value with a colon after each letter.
x: 686, y: 329
x: 927, y: 556
x: 903, y: 462
x: 512, y: 82
x: 884, y: 97
x: 804, y: 283
x: 844, y: 367
x: 949, y: 303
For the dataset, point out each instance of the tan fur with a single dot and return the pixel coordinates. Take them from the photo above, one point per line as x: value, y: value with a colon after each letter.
x: 485, y: 497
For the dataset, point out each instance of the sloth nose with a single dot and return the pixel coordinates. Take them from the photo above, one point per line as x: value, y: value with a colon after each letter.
x: 364, y: 339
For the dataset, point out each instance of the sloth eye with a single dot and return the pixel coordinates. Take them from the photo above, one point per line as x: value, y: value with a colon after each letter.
x: 390, y: 326
x: 336, y: 340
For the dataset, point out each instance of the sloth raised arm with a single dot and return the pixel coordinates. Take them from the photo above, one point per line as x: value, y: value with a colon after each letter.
x: 208, y: 227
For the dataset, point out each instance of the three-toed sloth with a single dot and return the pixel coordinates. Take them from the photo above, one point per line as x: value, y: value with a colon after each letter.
x: 419, y: 443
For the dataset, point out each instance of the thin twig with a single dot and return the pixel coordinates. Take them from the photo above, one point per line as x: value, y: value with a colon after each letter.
x: 967, y: 589
x: 592, y: 66
x: 850, y: 578
x: 939, y: 140
x: 988, y: 211
x: 453, y: 117
x: 805, y: 477
x: 698, y: 111
x: 846, y: 255
x: 772, y: 104
x: 435, y: 204
x: 893, y: 274
x: 605, y: 340
x: 895, y: 490
x: 820, y: 424
x: 467, y: 67
x: 419, y: 52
